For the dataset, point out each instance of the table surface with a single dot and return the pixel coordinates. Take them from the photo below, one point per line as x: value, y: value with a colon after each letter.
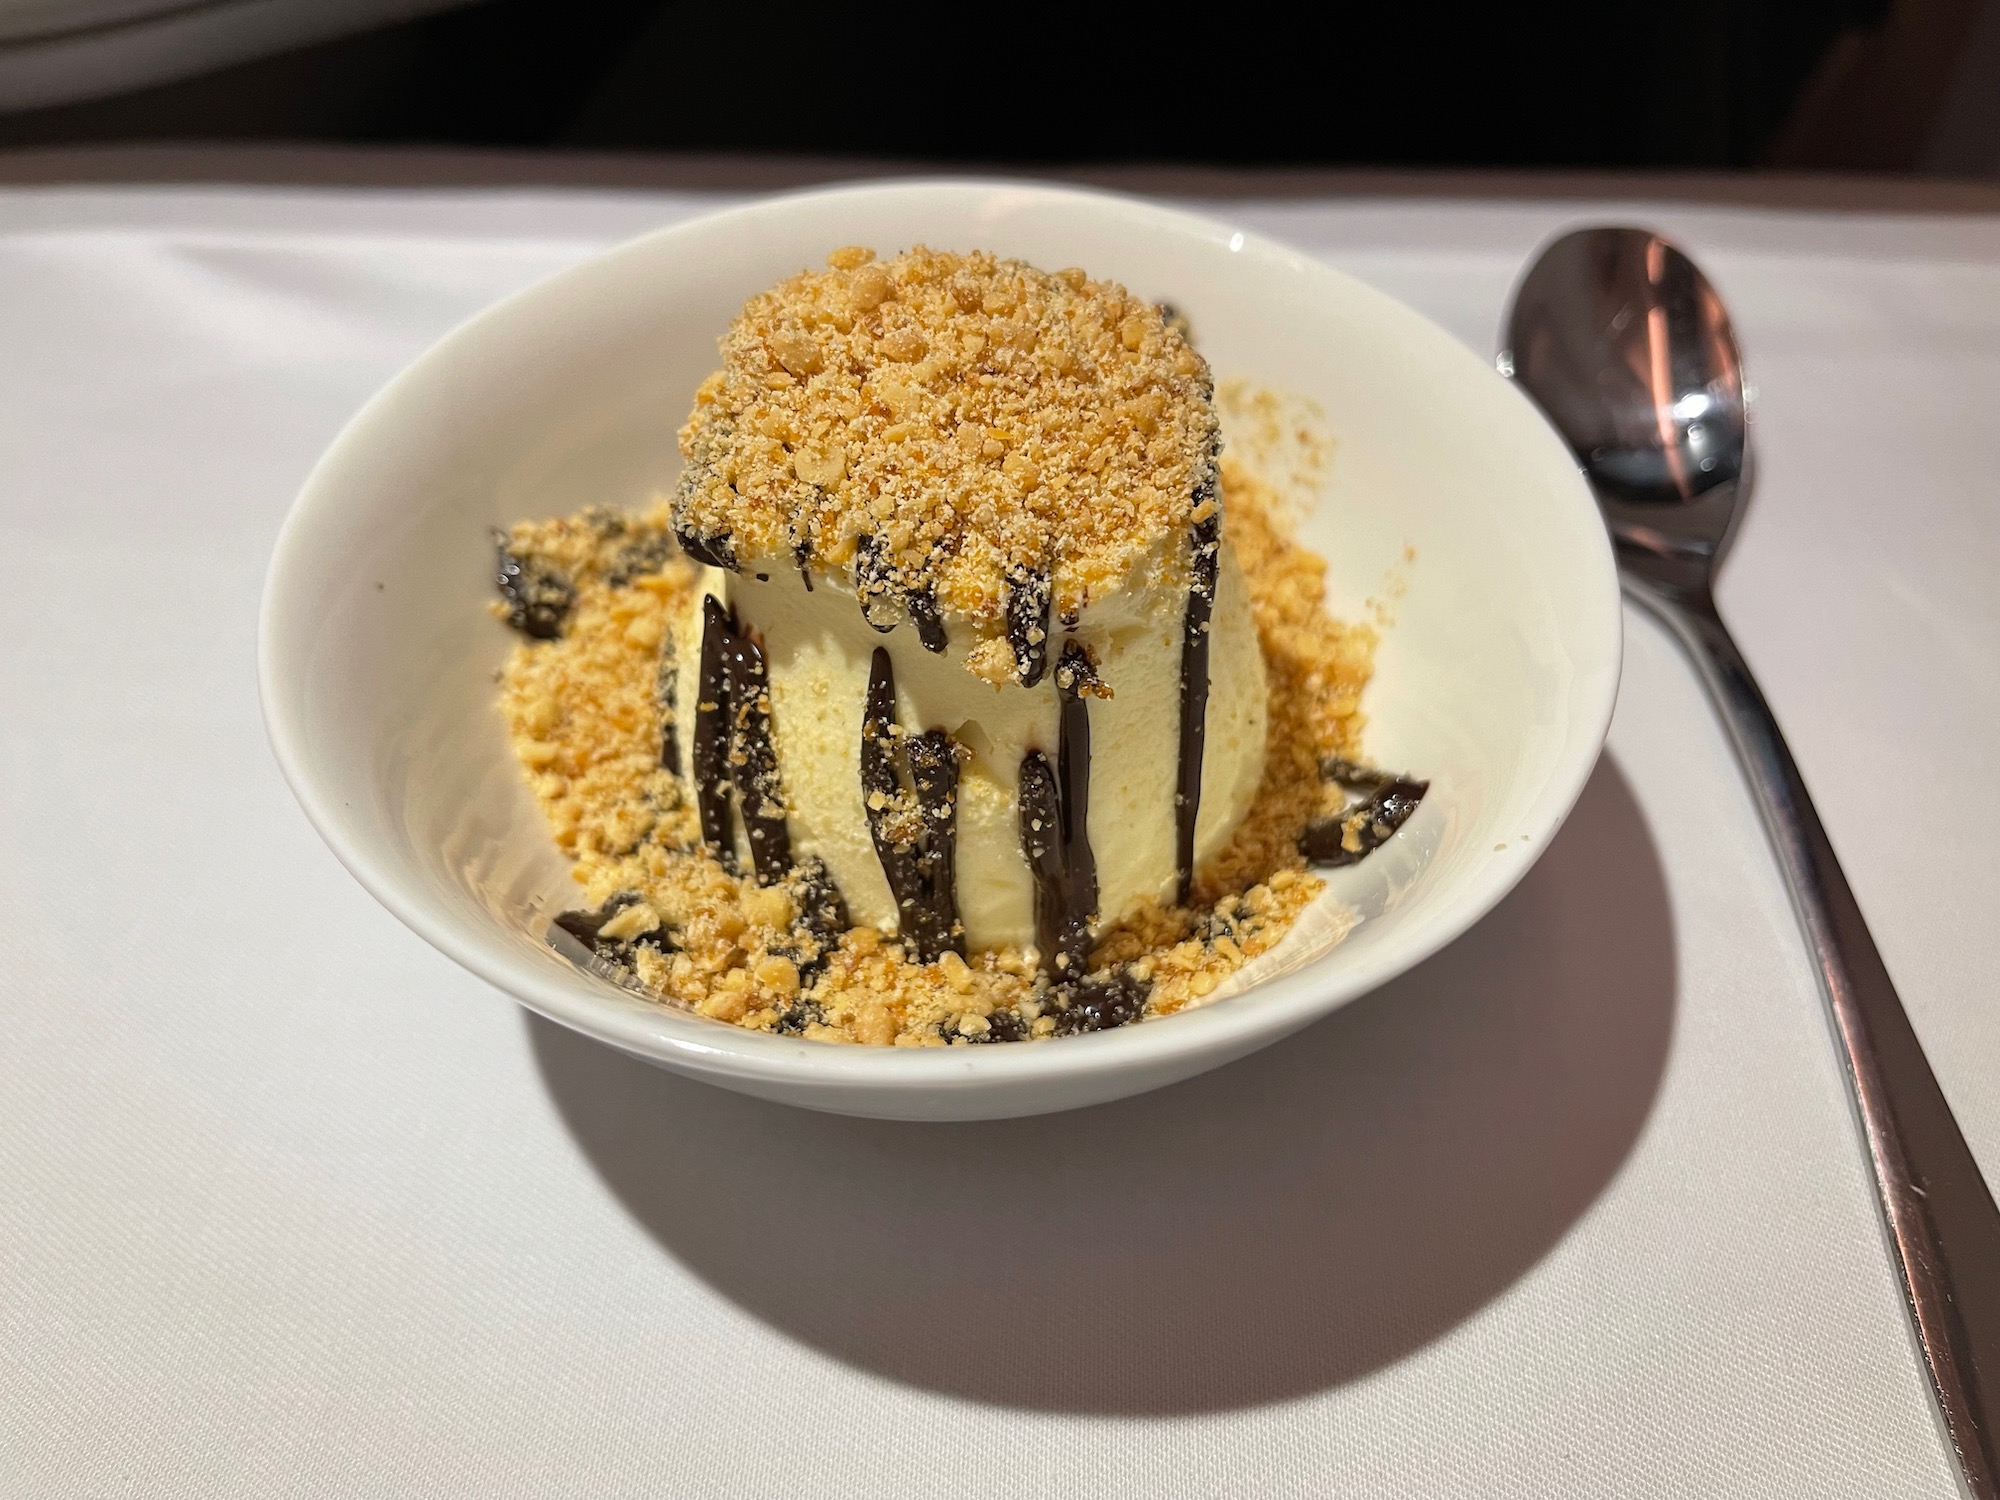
x: 290, y: 1204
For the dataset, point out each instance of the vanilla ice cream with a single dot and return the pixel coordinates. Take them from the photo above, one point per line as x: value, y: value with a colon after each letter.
x: 969, y: 637
x: 819, y: 652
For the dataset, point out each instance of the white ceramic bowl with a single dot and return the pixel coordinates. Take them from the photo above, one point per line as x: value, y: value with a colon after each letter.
x: 377, y: 655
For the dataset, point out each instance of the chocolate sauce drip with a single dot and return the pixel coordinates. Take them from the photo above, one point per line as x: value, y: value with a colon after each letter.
x: 734, y: 752
x: 1100, y: 1002
x: 795, y: 1018
x: 1001, y: 1026
x: 1006, y: 1026
x: 1040, y: 805
x: 933, y: 762
x: 712, y: 721
x: 714, y: 551
x: 1028, y: 596
x: 753, y: 759
x: 822, y: 918
x: 584, y: 925
x: 1074, y: 677
x: 802, y: 555
x: 875, y: 581
x: 871, y: 580
x: 538, y: 595
x: 822, y: 912
x: 927, y: 617
x: 586, y: 928
x: 922, y: 872
x: 878, y: 743
x: 1055, y: 828
x: 1387, y: 807
x: 1207, y: 542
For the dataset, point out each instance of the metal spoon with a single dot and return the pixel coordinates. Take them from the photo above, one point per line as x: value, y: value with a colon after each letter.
x: 1626, y: 346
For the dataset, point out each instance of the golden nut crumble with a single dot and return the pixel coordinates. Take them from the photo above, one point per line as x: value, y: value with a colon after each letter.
x: 972, y: 418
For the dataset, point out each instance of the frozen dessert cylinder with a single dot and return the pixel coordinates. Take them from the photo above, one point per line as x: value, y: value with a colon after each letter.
x: 970, y: 647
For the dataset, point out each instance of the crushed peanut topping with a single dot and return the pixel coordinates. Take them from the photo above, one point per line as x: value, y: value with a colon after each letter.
x: 586, y: 724
x: 974, y: 417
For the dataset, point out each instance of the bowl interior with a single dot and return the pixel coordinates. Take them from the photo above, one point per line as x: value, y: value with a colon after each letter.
x: 1495, y: 679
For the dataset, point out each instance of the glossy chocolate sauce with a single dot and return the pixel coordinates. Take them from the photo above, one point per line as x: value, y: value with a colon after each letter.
x: 735, y: 753
x: 1195, y: 635
x: 933, y: 761
x: 1055, y: 828
x: 871, y: 581
x: 539, y: 596
x: 1386, y: 807
x: 1074, y: 678
x: 875, y: 582
x: 712, y: 721
x: 586, y: 927
x: 1101, y: 1002
x: 1028, y: 596
x: 922, y: 873
x: 927, y: 617
x: 1040, y: 809
x: 753, y: 760
x: 714, y: 551
x: 822, y: 912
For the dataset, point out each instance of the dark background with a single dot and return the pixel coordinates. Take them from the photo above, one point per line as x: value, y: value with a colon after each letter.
x: 1704, y: 84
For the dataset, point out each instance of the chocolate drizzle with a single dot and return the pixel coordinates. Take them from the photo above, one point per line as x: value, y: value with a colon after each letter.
x: 753, y: 759
x: 733, y: 750
x: 1055, y: 828
x: 1042, y: 845
x: 1001, y: 1026
x: 871, y: 581
x: 927, y: 617
x: 1100, y: 1002
x: 1204, y: 564
x: 712, y: 720
x: 822, y: 912
x: 1028, y: 597
x: 921, y: 865
x: 714, y: 551
x: 1388, y: 800
x: 539, y: 596
x: 875, y: 582
x: 608, y: 957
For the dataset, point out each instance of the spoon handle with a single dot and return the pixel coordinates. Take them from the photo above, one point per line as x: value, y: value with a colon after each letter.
x: 1944, y: 1230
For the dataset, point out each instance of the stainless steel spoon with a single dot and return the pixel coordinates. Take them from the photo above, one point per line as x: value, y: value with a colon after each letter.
x: 1626, y: 346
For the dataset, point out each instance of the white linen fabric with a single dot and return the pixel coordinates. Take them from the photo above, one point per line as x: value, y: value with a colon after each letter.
x: 291, y: 1205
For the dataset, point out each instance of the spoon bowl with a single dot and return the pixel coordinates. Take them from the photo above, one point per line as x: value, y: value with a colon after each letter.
x: 1625, y: 344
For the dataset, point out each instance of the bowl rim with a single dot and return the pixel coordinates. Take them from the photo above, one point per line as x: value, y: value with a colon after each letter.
x: 699, y: 1045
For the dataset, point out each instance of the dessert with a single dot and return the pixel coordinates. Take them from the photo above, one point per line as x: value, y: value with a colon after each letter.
x: 941, y: 703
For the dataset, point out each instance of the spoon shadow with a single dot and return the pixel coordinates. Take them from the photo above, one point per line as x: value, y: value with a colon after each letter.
x: 1288, y: 1223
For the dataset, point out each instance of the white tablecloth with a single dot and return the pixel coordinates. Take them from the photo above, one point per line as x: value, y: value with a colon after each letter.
x: 291, y: 1205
